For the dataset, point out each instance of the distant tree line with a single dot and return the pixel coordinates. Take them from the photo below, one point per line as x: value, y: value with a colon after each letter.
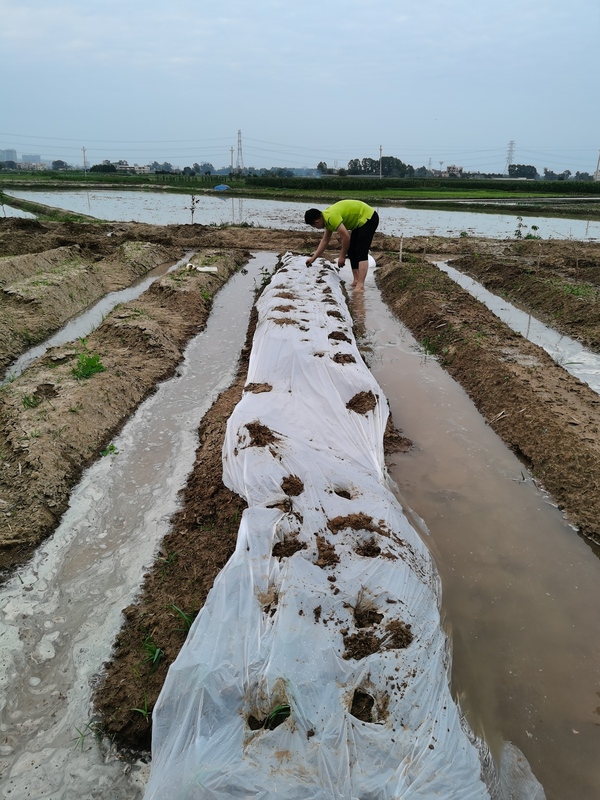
x: 392, y: 167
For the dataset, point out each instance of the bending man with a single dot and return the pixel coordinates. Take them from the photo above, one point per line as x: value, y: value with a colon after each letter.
x: 356, y: 223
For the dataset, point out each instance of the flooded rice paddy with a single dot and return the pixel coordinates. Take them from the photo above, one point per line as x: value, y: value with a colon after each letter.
x: 221, y: 209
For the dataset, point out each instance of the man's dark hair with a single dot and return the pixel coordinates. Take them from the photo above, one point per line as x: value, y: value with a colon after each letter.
x: 312, y: 215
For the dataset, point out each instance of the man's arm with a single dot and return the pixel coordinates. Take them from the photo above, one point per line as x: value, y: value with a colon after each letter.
x: 320, y: 249
x: 344, y: 234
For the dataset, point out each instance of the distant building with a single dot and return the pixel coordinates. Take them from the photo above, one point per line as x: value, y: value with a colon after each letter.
x: 8, y: 155
x: 31, y: 158
x: 29, y: 166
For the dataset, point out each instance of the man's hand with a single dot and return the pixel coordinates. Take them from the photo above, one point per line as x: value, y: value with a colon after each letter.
x: 310, y: 261
x: 341, y: 261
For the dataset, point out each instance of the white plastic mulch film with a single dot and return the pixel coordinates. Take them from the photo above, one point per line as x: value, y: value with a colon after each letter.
x: 318, y: 667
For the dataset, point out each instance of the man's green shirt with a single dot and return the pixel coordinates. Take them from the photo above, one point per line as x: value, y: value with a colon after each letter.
x: 353, y: 213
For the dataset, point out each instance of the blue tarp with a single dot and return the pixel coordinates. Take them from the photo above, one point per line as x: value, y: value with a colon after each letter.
x: 222, y: 187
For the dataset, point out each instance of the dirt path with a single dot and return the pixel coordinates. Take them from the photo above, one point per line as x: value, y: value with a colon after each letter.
x: 55, y: 424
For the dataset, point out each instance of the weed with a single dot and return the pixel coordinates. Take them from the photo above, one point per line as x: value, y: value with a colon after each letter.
x: 429, y: 346
x: 31, y: 401
x: 463, y: 234
x: 206, y: 295
x: 278, y: 715
x: 144, y: 710
x: 89, y: 729
x: 580, y: 290
x: 111, y: 450
x: 57, y: 434
x: 87, y: 365
x: 154, y: 654
x: 167, y: 562
x: 187, y: 618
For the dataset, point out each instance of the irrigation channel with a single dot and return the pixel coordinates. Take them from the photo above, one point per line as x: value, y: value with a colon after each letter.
x: 160, y: 208
x: 520, y: 587
x: 89, y: 320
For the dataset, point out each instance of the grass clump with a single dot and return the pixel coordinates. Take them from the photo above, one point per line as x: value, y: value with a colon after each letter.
x: 88, y: 364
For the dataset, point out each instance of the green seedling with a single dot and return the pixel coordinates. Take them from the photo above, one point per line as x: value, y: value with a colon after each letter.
x: 111, y: 450
x: 206, y: 295
x: 144, y: 710
x: 154, y: 653
x: 90, y: 728
x: 87, y: 365
x: 31, y: 401
x: 187, y: 618
x: 278, y: 715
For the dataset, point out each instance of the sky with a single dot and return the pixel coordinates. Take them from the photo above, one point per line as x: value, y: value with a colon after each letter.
x: 432, y: 82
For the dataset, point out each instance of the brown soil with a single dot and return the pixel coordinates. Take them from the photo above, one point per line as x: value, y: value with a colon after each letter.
x: 362, y: 403
x: 54, y: 425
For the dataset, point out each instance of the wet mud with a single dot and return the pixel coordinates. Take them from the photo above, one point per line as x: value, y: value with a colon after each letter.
x: 54, y: 424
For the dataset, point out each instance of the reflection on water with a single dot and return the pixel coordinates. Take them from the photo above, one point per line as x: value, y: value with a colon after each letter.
x: 161, y: 208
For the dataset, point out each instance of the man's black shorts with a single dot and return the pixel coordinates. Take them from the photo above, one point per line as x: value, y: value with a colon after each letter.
x: 360, y: 241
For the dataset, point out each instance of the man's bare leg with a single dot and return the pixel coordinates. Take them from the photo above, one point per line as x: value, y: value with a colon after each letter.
x: 354, y: 278
x: 361, y: 274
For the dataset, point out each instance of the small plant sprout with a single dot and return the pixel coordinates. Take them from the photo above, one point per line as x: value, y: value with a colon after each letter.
x: 31, y: 401
x: 277, y: 716
x: 143, y: 710
x: 87, y: 365
x: 154, y: 653
x: 187, y: 618
x: 111, y: 450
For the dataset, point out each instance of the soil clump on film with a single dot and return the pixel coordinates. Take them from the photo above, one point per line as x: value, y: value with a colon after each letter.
x: 54, y: 423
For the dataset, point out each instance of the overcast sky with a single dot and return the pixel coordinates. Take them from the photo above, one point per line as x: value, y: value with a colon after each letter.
x: 453, y: 81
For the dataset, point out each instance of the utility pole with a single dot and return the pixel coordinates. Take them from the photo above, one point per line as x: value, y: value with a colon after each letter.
x: 510, y: 155
x: 240, y: 157
x: 83, y: 151
x: 231, y: 166
x: 380, y: 162
x: 597, y: 173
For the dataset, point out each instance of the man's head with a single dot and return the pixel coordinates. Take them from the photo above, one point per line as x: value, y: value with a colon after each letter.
x: 314, y: 218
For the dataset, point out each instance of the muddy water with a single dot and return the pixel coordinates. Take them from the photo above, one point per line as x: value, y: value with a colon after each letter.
x: 521, y: 588
x: 60, y: 614
x: 84, y: 323
x: 161, y: 208
x: 570, y: 354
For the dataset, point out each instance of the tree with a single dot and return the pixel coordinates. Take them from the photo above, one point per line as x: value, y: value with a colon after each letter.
x: 522, y: 171
x: 103, y: 168
x: 9, y: 165
x: 549, y: 175
x: 392, y: 167
x: 582, y: 176
x: 370, y: 166
x: 56, y: 165
x: 354, y: 166
x: 322, y: 167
